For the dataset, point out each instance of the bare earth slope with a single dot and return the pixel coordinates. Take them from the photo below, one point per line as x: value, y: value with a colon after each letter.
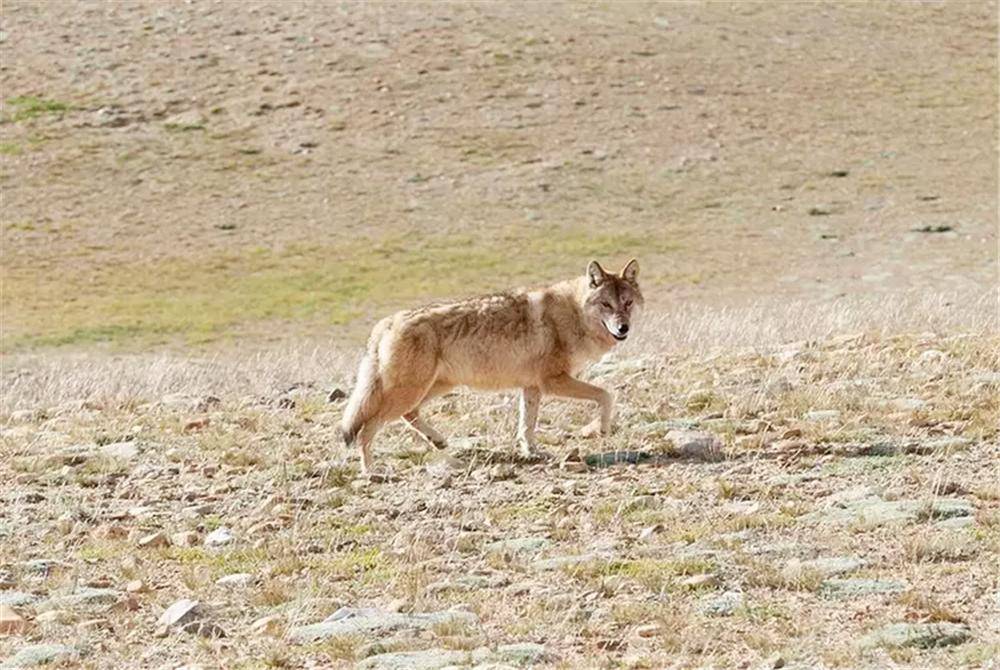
x: 203, y: 170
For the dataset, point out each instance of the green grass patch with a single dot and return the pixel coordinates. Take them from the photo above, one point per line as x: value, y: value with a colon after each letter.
x: 200, y: 301
x: 29, y: 107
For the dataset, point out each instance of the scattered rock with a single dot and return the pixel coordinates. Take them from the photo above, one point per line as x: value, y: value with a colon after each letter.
x: 197, y: 424
x: 372, y: 622
x: 125, y: 451
x: 878, y: 512
x: 905, y: 404
x: 522, y: 654
x: 83, y: 596
x: 335, y: 395
x: 518, y: 545
x: 184, y: 538
x: 649, y: 630
x: 724, y: 604
x: 237, y: 579
x: 11, y: 622
x: 135, y: 586
x: 856, y: 588
x: 918, y: 635
x: 54, y: 616
x: 820, y: 210
x: 272, y: 625
x: 559, y: 562
x: 826, y: 567
x: 696, y: 445
x: 43, y: 565
x: 956, y: 523
x: 154, y: 540
x: 649, y: 532
x: 468, y: 583
x: 180, y: 613
x: 219, y: 537
x: 823, y: 415
x: 16, y: 598
x: 207, y: 629
x: 43, y: 654
x: 93, y: 624
x: 428, y: 659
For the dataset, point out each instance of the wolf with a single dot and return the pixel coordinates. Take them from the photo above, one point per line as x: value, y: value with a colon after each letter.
x: 533, y: 340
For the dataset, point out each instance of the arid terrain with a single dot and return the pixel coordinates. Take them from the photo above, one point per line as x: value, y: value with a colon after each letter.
x: 206, y: 205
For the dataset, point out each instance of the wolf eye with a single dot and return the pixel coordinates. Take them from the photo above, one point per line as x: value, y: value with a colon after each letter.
x: 628, y: 303
x: 606, y: 304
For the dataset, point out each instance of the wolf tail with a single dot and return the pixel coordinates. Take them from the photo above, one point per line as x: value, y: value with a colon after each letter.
x: 367, y: 394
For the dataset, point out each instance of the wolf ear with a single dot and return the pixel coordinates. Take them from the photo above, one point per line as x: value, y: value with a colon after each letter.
x: 596, y: 274
x: 630, y: 272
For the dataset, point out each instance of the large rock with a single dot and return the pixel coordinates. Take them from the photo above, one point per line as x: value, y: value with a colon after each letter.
x: 920, y: 635
x: 373, y: 622
x: 43, y: 654
x: 11, y: 622
x: 521, y: 654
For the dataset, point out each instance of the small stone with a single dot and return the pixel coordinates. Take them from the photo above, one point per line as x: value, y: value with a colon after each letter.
x: 94, y: 624
x: 125, y: 451
x: 820, y: 210
x: 154, y: 540
x: 184, y: 538
x: 272, y: 626
x: 207, y: 629
x: 219, y: 537
x: 522, y: 654
x: 54, y: 616
x: 918, y: 635
x: 649, y: 630
x: 649, y: 532
x: 826, y: 567
x: 237, y: 579
x: 696, y: 445
x: 724, y: 604
x: 335, y: 395
x: 956, y: 523
x: 181, y: 612
x: 518, y: 545
x: 17, y: 598
x: 905, y: 404
x: 197, y: 424
x: 11, y: 622
x: 427, y: 659
x: 135, y: 586
x: 826, y: 415
x: 366, y: 621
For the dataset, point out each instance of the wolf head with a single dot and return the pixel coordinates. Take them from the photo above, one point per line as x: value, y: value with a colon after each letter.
x: 612, y: 300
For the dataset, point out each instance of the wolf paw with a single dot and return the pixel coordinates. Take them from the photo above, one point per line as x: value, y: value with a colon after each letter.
x: 593, y: 429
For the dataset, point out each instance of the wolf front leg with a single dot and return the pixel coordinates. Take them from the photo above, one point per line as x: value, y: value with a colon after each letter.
x: 528, y: 417
x: 570, y: 387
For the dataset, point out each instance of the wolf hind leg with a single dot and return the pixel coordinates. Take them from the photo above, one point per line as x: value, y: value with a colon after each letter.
x: 420, y: 425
